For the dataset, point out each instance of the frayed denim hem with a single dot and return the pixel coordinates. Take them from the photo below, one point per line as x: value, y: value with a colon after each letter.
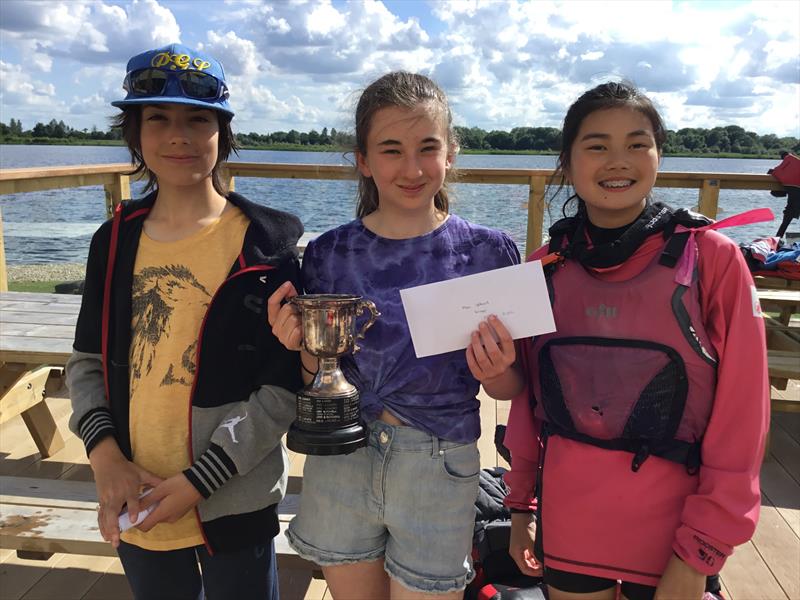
x: 325, y: 558
x: 421, y: 583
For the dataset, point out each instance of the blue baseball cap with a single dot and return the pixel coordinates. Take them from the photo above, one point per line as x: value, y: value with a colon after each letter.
x: 175, y: 74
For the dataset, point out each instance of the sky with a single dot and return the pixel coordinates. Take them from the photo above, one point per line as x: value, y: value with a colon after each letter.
x: 300, y: 64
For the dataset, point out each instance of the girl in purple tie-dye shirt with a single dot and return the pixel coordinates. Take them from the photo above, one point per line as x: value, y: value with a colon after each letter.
x: 399, y: 512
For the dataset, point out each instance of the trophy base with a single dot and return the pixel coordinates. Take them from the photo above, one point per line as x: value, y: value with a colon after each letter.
x: 327, y: 443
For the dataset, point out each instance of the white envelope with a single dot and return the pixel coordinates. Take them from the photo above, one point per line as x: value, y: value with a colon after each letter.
x: 441, y: 316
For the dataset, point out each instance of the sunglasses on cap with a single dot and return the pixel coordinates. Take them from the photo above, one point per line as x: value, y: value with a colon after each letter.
x: 194, y: 84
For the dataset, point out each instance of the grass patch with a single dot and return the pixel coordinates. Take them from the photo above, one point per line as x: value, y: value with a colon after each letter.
x: 33, y: 286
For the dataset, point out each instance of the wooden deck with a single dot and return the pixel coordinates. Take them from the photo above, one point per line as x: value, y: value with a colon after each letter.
x: 767, y: 568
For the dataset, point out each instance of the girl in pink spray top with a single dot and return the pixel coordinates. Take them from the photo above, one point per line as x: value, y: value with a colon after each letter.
x: 641, y: 430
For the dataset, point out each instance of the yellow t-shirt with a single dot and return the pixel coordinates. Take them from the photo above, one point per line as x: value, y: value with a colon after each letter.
x: 173, y: 283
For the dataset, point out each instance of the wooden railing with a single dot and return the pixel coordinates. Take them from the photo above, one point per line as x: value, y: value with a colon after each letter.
x: 116, y: 183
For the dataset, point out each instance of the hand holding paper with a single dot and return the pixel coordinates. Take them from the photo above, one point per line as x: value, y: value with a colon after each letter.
x: 491, y: 350
x: 441, y: 316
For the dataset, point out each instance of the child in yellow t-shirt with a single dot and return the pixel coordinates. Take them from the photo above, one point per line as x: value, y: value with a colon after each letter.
x: 178, y: 386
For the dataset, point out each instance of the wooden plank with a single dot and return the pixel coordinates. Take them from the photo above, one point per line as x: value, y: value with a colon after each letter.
x: 536, y: 204
x: 21, y: 391
x: 747, y: 577
x: 3, y: 272
x: 48, y: 493
x: 43, y: 429
x: 44, y: 318
x: 783, y: 492
x: 38, y: 308
x: 317, y: 590
x: 709, y: 197
x: 784, y: 297
x: 783, y: 363
x: 296, y: 462
x: 725, y: 593
x: 785, y: 403
x: 18, y: 575
x: 18, y: 450
x: 112, y: 584
x: 503, y: 409
x: 13, y: 330
x: 58, y: 466
x: 116, y: 192
x: 300, y: 583
x: 767, y: 282
x: 41, y: 350
x: 72, y: 577
x: 47, y: 529
x: 59, y: 516
x: 790, y: 423
x: 779, y: 547
x: 786, y: 451
x: 45, y: 298
x: 488, y: 416
x: 304, y: 171
x: 44, y: 172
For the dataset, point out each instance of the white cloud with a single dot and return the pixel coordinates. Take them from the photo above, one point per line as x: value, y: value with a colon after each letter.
x: 324, y: 20
x: 237, y: 55
x: 17, y: 87
x: 503, y: 63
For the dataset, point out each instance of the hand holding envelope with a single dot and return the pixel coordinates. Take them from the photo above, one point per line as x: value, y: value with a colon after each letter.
x: 491, y: 354
x: 441, y: 316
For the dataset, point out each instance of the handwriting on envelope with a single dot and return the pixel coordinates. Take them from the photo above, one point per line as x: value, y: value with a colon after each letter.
x: 441, y: 316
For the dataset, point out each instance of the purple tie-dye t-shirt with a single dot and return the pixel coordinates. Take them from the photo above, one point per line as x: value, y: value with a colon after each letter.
x: 436, y: 394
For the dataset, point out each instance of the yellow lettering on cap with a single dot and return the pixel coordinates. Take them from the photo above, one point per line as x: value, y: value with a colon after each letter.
x: 181, y: 60
x: 178, y: 61
x: 162, y: 59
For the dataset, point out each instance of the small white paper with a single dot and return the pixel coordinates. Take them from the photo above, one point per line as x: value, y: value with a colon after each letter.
x: 441, y: 316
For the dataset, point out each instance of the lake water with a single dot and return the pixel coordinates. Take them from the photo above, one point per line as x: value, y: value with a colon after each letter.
x: 56, y: 225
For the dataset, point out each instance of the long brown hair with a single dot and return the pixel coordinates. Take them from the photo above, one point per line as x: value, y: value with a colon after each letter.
x: 129, y: 121
x: 405, y: 90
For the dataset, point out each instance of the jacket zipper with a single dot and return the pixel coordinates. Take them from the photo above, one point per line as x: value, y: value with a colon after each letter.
x: 196, y: 375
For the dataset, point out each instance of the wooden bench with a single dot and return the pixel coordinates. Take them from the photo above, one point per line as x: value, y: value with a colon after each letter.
x: 39, y: 517
x: 36, y: 333
x: 783, y: 360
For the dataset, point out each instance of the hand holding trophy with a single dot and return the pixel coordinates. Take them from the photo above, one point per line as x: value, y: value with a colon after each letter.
x: 328, y: 409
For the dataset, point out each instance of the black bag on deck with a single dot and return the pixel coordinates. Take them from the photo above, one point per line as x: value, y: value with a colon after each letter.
x: 497, y: 575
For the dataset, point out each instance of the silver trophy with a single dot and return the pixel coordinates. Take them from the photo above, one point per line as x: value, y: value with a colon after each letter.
x: 328, y: 412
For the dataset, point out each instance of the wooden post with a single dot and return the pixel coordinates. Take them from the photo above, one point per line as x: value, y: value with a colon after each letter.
x: 227, y: 179
x: 536, y: 187
x: 25, y: 396
x: 709, y: 198
x: 3, y: 273
x: 117, y: 192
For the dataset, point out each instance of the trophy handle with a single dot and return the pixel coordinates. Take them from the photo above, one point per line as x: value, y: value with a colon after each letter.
x: 374, y: 314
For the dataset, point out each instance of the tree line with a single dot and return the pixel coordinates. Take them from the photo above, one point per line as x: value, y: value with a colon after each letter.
x: 693, y: 140
x: 730, y: 139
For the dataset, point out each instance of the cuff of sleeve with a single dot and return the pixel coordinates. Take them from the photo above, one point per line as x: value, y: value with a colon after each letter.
x: 211, y: 471
x: 95, y: 426
x: 702, y: 553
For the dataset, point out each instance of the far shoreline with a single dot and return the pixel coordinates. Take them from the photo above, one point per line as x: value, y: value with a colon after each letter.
x: 336, y: 149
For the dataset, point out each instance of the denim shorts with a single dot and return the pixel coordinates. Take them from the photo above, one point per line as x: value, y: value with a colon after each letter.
x: 407, y: 497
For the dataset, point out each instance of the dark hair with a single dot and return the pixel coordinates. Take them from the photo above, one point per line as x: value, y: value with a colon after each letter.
x: 406, y: 90
x: 613, y: 94
x: 129, y: 121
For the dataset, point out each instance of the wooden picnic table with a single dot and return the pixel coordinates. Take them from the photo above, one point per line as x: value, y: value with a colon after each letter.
x: 783, y: 339
x: 787, y: 301
x: 36, y: 335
